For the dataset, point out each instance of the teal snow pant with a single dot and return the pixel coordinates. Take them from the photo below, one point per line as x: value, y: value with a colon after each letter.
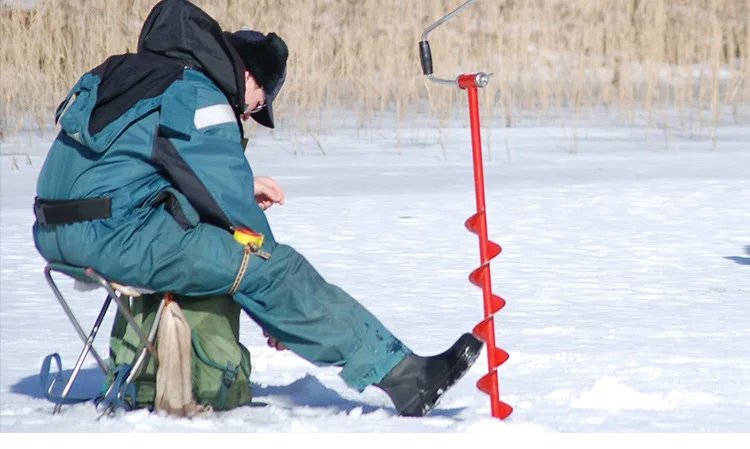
x: 285, y: 295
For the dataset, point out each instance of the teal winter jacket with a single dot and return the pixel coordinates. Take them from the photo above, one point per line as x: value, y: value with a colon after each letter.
x: 158, y: 134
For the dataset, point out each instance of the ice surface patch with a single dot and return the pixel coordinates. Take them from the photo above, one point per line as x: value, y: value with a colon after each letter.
x: 498, y: 427
x: 560, y: 395
x: 552, y: 330
x: 609, y: 394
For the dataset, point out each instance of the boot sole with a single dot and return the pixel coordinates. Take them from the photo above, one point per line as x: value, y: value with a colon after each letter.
x: 471, y: 347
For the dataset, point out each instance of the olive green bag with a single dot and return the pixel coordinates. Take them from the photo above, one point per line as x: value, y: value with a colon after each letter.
x: 220, y: 364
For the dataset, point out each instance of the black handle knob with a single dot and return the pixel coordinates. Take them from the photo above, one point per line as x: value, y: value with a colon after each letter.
x: 425, y: 55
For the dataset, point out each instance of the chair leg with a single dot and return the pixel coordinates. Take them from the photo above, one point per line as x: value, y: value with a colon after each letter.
x: 143, y: 356
x: 124, y: 309
x: 151, y: 335
x: 87, y: 347
x: 76, y: 325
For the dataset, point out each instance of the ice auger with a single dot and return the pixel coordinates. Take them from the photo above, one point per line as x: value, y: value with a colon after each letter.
x: 477, y: 224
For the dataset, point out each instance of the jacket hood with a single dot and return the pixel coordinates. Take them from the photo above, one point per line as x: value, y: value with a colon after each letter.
x: 176, y: 35
x: 179, y: 30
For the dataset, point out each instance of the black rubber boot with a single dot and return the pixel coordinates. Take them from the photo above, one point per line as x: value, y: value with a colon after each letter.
x: 417, y: 383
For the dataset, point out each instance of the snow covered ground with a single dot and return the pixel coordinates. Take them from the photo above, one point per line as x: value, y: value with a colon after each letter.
x: 625, y: 266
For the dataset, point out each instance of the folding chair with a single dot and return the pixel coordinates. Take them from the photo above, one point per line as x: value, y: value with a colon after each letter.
x: 122, y: 382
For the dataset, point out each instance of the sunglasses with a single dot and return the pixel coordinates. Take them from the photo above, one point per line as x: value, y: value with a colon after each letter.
x: 256, y: 109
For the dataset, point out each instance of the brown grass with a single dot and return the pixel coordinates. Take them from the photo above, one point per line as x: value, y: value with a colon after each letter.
x: 550, y: 59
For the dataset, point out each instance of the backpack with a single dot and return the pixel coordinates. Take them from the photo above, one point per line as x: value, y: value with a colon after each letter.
x: 220, y: 364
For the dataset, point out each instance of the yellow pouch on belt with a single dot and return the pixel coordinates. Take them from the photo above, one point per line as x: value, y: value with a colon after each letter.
x: 248, y: 237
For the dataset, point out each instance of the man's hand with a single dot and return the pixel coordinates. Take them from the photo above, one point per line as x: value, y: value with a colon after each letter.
x: 267, y: 192
x: 273, y: 343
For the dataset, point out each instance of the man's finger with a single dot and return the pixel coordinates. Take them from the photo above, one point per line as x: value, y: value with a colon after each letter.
x: 278, y: 193
x: 273, y: 189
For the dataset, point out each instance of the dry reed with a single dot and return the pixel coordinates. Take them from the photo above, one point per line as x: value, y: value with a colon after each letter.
x: 550, y: 58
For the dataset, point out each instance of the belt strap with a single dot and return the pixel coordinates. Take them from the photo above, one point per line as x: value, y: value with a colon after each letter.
x: 61, y: 212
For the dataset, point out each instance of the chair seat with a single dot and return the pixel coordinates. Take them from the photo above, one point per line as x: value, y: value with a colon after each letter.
x: 84, y: 282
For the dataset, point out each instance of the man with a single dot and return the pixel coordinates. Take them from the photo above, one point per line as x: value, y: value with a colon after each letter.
x: 147, y: 181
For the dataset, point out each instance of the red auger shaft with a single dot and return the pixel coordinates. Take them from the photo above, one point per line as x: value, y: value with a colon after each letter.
x: 488, y: 250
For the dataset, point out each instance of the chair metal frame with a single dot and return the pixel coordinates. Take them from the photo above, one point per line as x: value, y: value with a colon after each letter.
x: 122, y: 297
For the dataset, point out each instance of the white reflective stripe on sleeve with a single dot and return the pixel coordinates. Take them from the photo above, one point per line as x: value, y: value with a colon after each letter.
x: 217, y: 114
